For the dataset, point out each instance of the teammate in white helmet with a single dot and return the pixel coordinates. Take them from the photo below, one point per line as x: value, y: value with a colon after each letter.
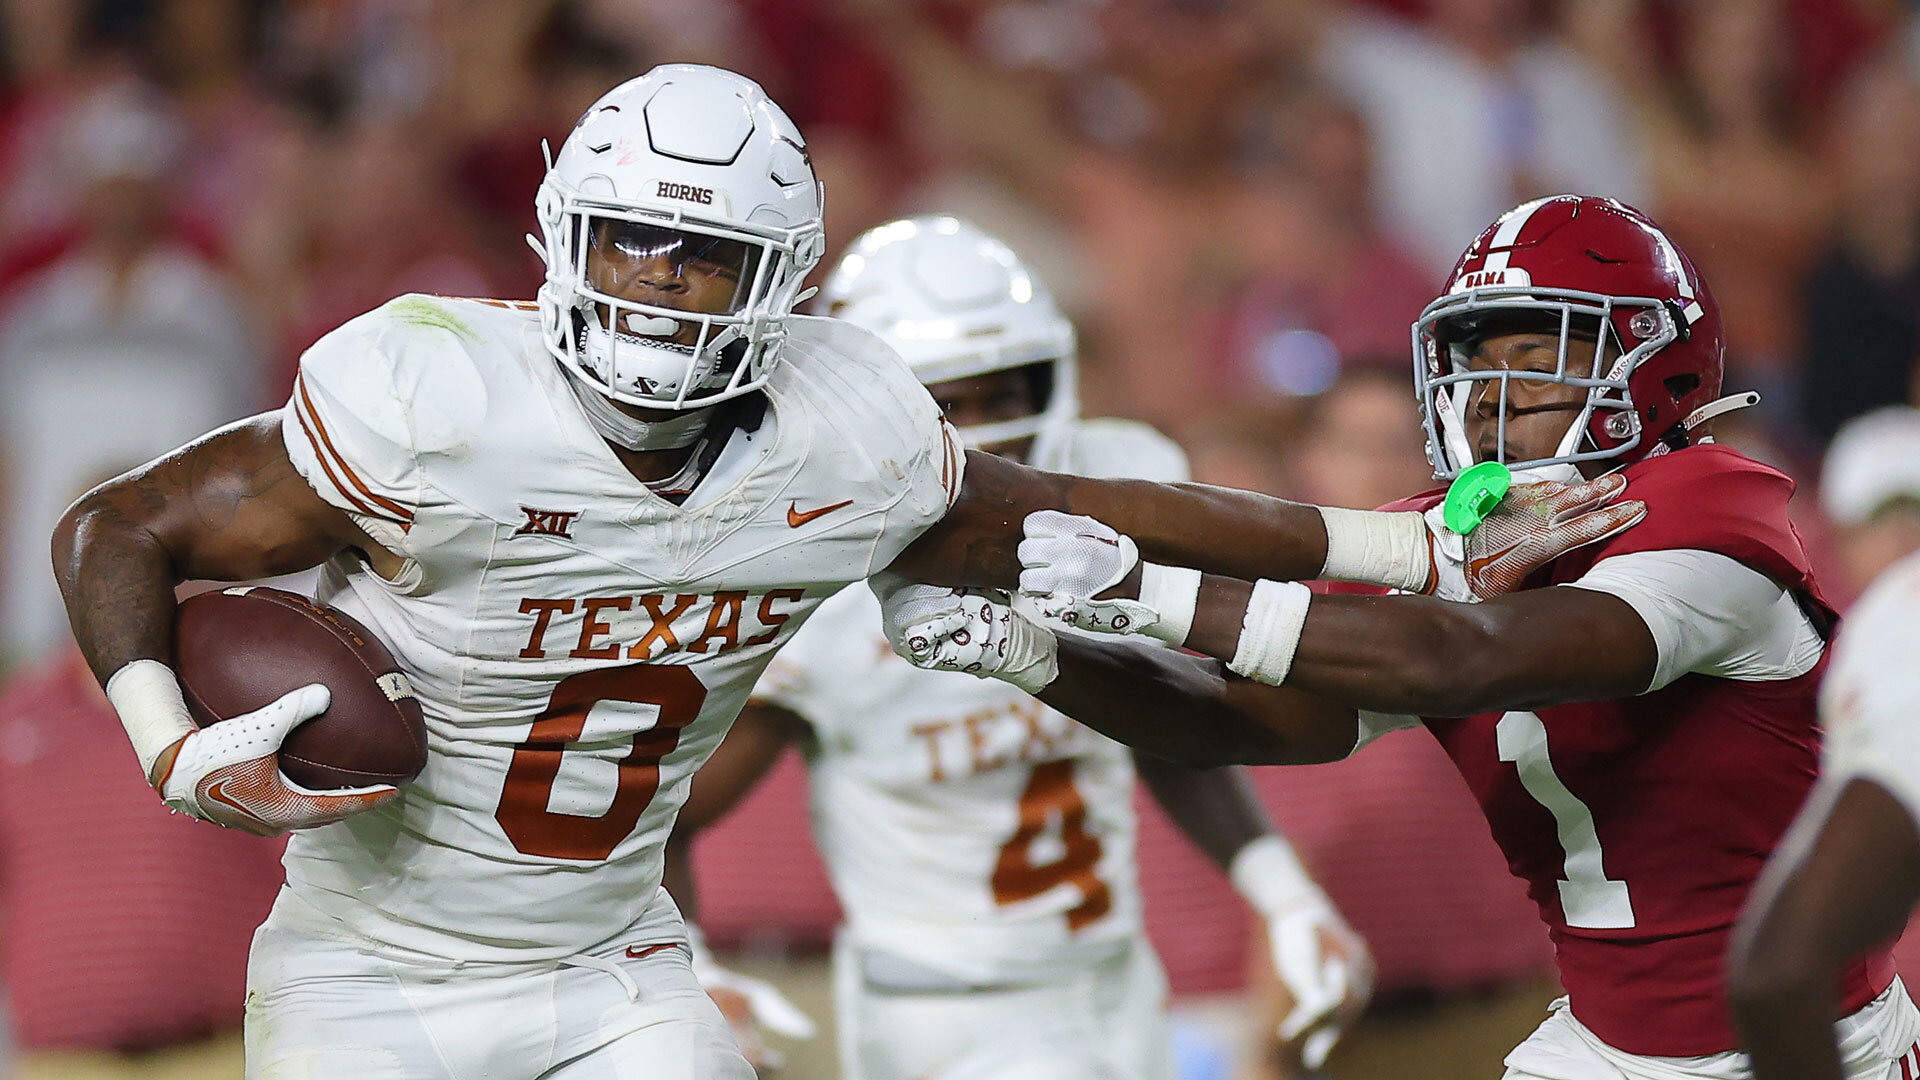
x: 583, y: 525
x: 981, y: 844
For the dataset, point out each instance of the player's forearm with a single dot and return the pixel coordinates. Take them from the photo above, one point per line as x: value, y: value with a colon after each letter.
x: 1220, y: 530
x: 117, y: 580
x: 1188, y: 710
x: 1224, y: 531
x: 1423, y: 656
x: 1385, y: 659
x: 1214, y: 808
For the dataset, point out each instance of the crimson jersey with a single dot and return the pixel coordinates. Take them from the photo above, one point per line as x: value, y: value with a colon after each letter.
x: 1640, y: 824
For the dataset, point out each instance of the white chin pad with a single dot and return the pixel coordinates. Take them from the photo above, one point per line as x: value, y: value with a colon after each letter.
x: 652, y: 325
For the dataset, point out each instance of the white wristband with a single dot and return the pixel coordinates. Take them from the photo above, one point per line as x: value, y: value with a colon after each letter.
x: 1377, y: 548
x: 147, y: 696
x: 1270, y: 631
x: 1173, y: 592
x: 1268, y: 875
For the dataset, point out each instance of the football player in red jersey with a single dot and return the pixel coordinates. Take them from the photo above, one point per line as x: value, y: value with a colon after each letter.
x: 1637, y: 718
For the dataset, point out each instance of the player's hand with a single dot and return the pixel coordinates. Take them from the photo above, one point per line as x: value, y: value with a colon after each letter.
x: 1068, y: 561
x: 749, y: 1005
x: 229, y: 773
x: 1325, y: 978
x: 962, y: 630
x: 1532, y: 526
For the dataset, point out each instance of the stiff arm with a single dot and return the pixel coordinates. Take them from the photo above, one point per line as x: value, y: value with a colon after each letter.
x: 1235, y: 533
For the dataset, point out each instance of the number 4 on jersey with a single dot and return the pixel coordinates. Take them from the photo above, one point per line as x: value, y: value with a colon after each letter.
x: 1051, y: 797
x: 1588, y: 898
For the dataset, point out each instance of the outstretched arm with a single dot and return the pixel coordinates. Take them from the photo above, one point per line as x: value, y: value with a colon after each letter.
x: 1426, y: 657
x: 1239, y: 533
x: 1397, y: 654
x: 1191, y: 711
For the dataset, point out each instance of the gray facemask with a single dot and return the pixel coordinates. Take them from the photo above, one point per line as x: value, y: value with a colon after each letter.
x: 674, y: 433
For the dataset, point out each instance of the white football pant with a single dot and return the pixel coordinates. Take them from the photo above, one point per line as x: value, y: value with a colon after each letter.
x: 322, y: 1007
x: 1108, y: 1022
x: 1874, y: 1042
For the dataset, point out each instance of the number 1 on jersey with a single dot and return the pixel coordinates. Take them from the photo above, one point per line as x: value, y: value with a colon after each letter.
x: 1588, y: 898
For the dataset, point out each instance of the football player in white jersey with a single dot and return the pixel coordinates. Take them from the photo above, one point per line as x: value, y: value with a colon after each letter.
x: 982, y: 845
x: 583, y: 526
x: 1847, y: 876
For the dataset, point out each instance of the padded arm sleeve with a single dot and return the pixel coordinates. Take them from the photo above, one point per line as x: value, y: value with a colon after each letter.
x: 349, y: 434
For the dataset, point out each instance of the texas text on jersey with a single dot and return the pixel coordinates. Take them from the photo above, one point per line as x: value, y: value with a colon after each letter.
x: 573, y: 677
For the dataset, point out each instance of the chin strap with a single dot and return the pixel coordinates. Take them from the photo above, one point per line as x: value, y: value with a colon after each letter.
x: 678, y: 431
x: 1720, y: 407
x: 1681, y: 435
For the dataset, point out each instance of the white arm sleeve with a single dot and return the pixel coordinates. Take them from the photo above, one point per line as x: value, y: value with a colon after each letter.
x: 1710, y: 614
x: 1870, y: 700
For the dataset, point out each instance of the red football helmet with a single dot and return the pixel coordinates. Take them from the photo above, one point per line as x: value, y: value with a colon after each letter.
x: 1592, y: 268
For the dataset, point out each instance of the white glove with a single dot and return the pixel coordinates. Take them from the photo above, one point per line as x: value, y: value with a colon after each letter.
x: 1324, y: 968
x: 229, y: 773
x: 1069, y: 559
x: 960, y: 630
x: 749, y: 1004
x: 1532, y: 526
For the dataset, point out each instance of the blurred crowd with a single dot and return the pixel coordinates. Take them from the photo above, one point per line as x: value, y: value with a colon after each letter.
x: 1243, y: 204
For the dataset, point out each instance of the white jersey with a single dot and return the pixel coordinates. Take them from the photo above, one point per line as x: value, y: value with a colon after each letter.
x: 1870, y: 700
x: 968, y: 829
x: 579, y: 645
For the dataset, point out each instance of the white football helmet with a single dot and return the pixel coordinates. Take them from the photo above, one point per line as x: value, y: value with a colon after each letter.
x: 686, y: 164
x: 956, y: 303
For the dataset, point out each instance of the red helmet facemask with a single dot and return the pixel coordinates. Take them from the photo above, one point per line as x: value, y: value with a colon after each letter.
x: 1587, y: 268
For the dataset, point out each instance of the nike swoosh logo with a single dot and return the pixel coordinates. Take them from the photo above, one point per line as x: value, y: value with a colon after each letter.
x: 1475, y: 566
x: 641, y: 952
x: 797, y: 517
x: 217, y: 791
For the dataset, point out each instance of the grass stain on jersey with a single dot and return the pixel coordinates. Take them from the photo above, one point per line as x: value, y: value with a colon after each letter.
x: 420, y: 311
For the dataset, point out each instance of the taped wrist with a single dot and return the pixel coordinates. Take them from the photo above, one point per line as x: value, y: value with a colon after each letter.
x: 1270, y: 631
x: 1377, y: 548
x: 1269, y: 876
x: 146, y: 695
x: 1031, y: 660
x: 1172, y: 592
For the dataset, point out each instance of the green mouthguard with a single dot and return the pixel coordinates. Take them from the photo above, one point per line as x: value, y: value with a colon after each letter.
x: 1474, y: 494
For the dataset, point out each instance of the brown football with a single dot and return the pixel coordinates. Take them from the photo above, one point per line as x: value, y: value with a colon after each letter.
x: 239, y: 649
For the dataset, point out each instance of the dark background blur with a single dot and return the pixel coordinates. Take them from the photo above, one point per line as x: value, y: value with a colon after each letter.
x: 1242, y: 203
